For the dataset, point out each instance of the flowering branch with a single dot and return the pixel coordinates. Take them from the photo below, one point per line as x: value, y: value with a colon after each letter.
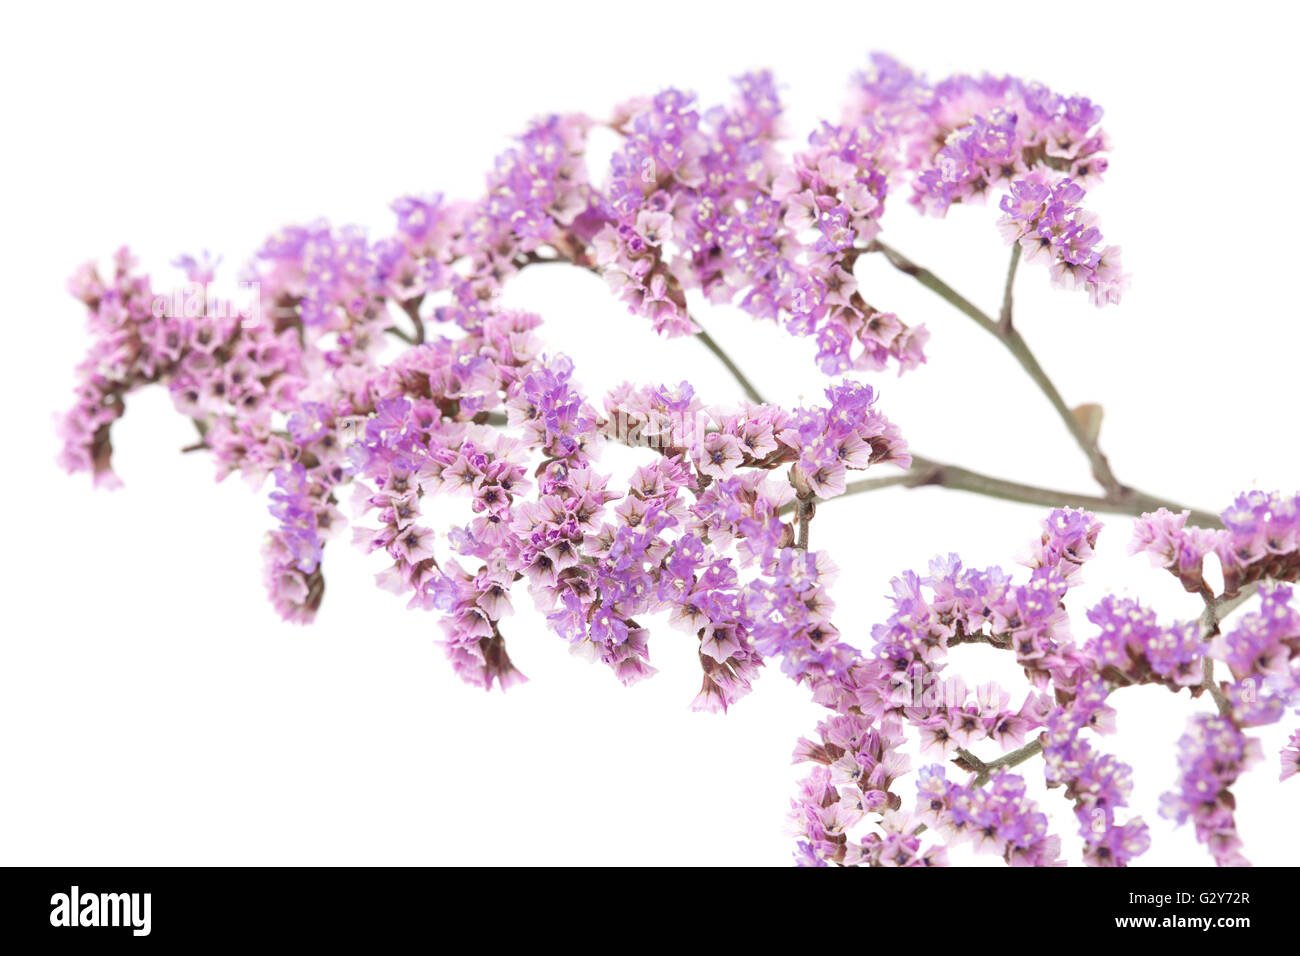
x: 711, y: 528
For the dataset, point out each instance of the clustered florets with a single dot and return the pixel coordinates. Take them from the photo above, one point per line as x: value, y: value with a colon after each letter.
x: 1212, y: 754
x: 711, y: 527
x: 965, y: 137
x: 1260, y: 540
x: 902, y: 684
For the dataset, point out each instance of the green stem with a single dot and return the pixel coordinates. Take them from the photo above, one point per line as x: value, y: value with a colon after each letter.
x: 1215, y: 611
x: 1216, y: 692
x: 1004, y: 319
x: 985, y: 770
x: 926, y: 472
x: 935, y: 285
x: 741, y: 379
x: 702, y: 335
x: 805, y: 508
x: 1016, y: 345
x: 1119, y: 499
x: 412, y: 308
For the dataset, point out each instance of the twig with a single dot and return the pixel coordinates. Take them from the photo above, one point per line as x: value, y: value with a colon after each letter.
x: 984, y: 770
x: 741, y: 379
x: 1212, y: 685
x: 752, y: 392
x: 412, y: 308
x: 1215, y: 611
x: 201, y: 427
x: 926, y: 472
x: 1004, y: 319
x: 805, y: 507
x: 1017, y: 346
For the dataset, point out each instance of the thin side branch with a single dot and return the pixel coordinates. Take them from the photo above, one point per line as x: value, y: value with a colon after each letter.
x: 202, y: 428
x: 984, y: 770
x: 1016, y: 345
x: 741, y: 379
x: 751, y: 391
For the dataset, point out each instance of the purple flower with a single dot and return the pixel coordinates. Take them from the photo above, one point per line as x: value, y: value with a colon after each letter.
x: 1134, y: 644
x: 1211, y: 755
x: 1260, y: 538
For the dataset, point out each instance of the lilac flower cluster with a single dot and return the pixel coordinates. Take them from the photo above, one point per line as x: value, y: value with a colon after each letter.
x: 293, y: 551
x: 858, y: 764
x: 1098, y: 784
x: 998, y: 819
x: 213, y: 365
x: 902, y: 685
x: 964, y: 134
x: 594, y: 559
x: 962, y: 138
x: 1263, y: 653
x: 1212, y: 754
x: 830, y: 200
x: 124, y: 354
x: 969, y: 605
x: 1136, y: 649
x: 822, y: 813
x: 1043, y: 215
x: 707, y: 202
x: 1260, y: 540
x: 900, y: 696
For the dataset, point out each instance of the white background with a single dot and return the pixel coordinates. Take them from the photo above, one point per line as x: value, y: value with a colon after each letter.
x: 152, y: 707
